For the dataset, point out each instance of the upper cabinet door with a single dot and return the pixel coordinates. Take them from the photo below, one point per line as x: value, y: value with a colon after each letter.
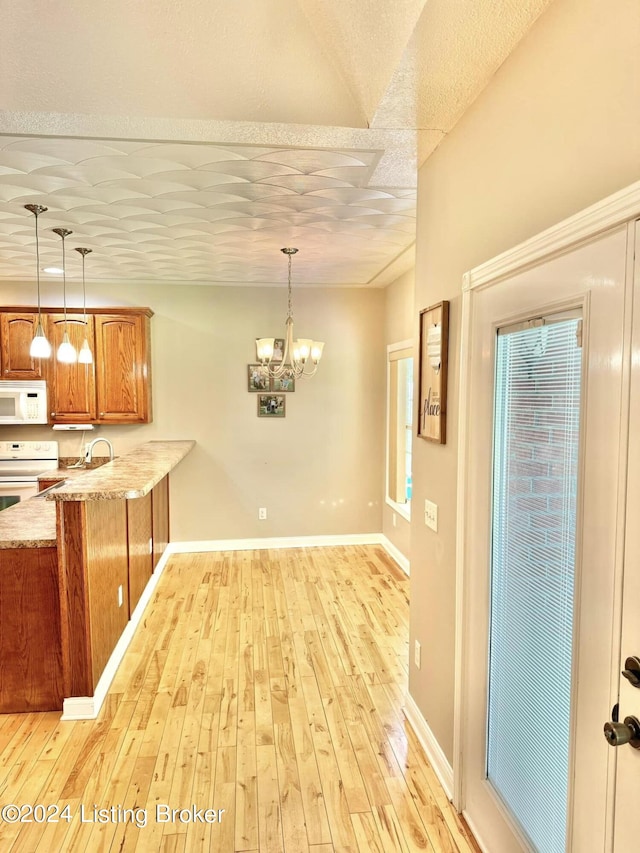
x: 122, y: 359
x: 72, y: 390
x: 16, y: 333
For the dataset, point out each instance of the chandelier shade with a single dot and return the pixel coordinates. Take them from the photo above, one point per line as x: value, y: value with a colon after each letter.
x: 40, y: 346
x: 300, y: 357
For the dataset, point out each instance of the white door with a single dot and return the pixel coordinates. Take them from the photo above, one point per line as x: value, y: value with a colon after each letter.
x: 626, y: 832
x: 537, y: 770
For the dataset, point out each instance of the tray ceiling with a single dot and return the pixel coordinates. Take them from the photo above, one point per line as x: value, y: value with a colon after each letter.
x: 188, y: 143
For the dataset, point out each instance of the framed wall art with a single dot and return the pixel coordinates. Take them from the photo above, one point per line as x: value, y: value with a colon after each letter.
x: 271, y: 405
x: 257, y: 378
x: 432, y: 383
x: 282, y: 383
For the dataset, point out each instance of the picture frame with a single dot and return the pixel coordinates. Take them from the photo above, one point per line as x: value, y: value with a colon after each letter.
x: 257, y: 378
x: 432, y: 382
x: 278, y: 350
x: 271, y: 405
x: 283, y: 384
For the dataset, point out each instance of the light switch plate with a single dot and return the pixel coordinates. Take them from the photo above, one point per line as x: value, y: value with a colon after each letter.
x: 431, y: 515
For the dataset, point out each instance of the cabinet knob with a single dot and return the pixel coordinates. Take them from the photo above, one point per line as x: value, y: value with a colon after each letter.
x: 53, y: 414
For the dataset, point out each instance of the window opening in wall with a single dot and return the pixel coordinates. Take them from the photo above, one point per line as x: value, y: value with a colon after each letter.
x: 399, y: 426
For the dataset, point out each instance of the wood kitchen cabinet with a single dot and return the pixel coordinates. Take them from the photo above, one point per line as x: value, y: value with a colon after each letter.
x: 114, y: 389
x: 71, y: 387
x: 16, y: 333
x: 122, y: 368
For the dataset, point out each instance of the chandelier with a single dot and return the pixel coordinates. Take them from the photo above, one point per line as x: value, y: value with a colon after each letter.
x: 300, y: 358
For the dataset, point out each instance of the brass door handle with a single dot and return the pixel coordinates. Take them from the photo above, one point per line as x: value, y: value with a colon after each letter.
x: 618, y: 734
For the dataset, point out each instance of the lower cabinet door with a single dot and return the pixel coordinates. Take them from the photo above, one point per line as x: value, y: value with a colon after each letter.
x: 140, y: 544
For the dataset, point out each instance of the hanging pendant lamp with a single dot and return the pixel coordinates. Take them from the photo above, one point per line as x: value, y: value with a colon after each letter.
x: 40, y: 346
x: 84, y: 356
x: 300, y: 358
x: 66, y: 353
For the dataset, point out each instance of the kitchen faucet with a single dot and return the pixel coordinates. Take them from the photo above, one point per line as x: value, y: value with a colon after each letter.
x: 89, y: 454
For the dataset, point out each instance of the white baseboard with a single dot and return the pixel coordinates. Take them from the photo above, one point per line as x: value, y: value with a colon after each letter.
x: 396, y: 554
x: 88, y: 707
x: 477, y: 838
x: 433, y: 750
x: 260, y: 544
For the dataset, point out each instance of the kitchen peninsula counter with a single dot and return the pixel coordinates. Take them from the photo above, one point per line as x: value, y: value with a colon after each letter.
x: 77, y: 566
x: 130, y: 476
x: 32, y: 523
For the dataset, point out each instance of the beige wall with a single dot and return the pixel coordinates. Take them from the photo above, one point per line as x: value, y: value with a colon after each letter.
x: 557, y: 129
x: 398, y: 326
x: 318, y: 471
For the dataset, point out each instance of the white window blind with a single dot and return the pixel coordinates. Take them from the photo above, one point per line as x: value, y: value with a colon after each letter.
x: 536, y: 438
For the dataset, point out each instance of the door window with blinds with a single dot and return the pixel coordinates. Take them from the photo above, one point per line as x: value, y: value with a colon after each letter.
x: 399, y: 426
x: 533, y: 563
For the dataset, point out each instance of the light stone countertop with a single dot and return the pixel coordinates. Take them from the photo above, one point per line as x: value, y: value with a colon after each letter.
x: 28, y: 524
x: 32, y: 523
x: 130, y: 476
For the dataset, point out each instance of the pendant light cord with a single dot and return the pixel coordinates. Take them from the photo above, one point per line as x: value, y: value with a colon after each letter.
x: 84, y: 294
x: 38, y: 272
x: 290, y: 308
x: 64, y: 287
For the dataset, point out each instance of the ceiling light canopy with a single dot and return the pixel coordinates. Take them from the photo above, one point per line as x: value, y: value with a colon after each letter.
x: 301, y: 357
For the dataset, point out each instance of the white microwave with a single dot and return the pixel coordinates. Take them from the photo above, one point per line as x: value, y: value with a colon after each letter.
x: 23, y: 402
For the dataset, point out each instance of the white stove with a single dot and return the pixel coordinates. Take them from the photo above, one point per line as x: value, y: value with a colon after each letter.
x: 20, y: 464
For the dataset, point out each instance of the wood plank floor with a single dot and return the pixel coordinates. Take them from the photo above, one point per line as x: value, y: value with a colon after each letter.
x: 264, y: 686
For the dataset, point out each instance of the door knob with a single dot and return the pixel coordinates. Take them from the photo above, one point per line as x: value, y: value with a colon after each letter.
x: 619, y: 733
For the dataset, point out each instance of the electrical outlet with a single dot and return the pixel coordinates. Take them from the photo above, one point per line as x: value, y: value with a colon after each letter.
x: 120, y: 596
x: 417, y: 649
x: 431, y: 515
x: 262, y: 513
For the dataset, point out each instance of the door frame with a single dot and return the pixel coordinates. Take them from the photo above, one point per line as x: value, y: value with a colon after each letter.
x: 615, y: 210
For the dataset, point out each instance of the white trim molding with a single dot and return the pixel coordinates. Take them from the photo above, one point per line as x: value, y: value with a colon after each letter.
x: 613, y: 211
x: 433, y: 750
x: 88, y: 707
x: 585, y: 225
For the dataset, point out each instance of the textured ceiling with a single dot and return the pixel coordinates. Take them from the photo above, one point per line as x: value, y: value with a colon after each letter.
x: 189, y: 140
x: 196, y: 213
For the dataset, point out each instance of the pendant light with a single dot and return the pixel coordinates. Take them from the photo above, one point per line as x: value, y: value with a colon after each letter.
x: 40, y: 346
x: 301, y: 357
x: 66, y: 351
x: 84, y: 356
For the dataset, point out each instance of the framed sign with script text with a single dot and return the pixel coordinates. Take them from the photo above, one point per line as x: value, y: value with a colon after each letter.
x: 434, y: 342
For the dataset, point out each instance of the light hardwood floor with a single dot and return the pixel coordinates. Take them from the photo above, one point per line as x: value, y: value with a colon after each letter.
x: 266, y: 683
